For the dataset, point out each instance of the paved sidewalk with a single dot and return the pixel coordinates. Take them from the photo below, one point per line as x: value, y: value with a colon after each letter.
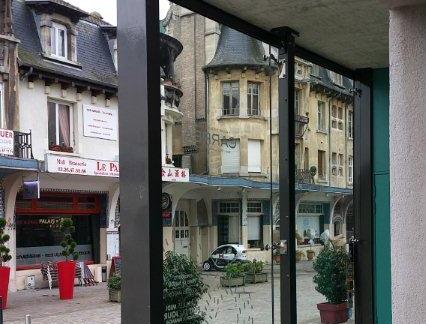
x: 250, y: 304
x: 89, y: 306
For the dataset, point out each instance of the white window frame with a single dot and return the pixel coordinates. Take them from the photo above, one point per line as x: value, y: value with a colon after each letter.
x: 55, y: 29
x: 297, y: 101
x: 71, y: 115
x: 233, y: 111
x: 323, y: 177
x: 350, y: 124
x: 350, y: 169
x: 321, y: 115
x: 250, y: 98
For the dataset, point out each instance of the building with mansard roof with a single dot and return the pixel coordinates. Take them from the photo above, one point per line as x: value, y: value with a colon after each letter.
x: 229, y: 140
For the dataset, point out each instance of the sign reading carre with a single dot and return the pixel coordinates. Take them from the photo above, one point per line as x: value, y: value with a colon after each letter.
x: 100, y: 122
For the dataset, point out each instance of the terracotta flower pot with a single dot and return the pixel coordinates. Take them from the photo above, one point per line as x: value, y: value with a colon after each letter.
x: 333, y: 313
x: 66, y: 275
x: 4, y: 285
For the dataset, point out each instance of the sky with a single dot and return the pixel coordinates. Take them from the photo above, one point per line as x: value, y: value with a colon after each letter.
x: 108, y: 8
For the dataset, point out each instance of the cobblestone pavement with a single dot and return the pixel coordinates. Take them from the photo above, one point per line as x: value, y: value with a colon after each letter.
x: 89, y: 306
x: 250, y: 304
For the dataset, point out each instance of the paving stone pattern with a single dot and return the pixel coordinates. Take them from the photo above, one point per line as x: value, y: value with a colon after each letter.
x: 250, y: 304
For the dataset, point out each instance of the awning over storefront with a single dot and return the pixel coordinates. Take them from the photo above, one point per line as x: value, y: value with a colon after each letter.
x: 250, y: 184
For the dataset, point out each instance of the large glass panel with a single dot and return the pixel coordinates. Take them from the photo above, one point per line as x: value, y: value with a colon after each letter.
x: 324, y: 184
x: 217, y: 175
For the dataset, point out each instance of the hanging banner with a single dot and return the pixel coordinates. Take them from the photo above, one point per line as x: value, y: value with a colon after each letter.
x: 7, y: 142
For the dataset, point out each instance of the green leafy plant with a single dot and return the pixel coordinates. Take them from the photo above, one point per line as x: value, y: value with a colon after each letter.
x: 183, y: 288
x: 235, y: 270
x: 253, y: 267
x: 313, y: 170
x: 68, y: 244
x: 4, y: 251
x: 114, y: 283
x: 331, y: 266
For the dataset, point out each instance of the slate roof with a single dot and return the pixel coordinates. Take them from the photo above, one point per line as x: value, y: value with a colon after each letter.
x: 93, y: 53
x: 237, y: 49
x: 323, y: 79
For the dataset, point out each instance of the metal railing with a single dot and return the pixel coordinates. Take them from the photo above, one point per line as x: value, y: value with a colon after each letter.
x: 23, y: 145
x: 300, y: 127
x: 304, y: 176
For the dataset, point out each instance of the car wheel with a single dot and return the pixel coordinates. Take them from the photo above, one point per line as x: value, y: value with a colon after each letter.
x: 207, y: 266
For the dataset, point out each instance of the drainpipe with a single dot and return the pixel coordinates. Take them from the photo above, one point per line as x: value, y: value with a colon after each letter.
x: 205, y: 135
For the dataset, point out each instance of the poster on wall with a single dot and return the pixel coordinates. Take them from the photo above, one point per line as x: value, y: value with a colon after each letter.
x: 100, y: 122
x: 7, y: 142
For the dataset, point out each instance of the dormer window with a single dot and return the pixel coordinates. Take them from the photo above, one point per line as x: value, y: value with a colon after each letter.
x: 59, y: 40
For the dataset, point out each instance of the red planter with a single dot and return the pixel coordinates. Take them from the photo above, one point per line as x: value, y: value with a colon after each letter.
x: 66, y: 275
x: 333, y: 313
x: 4, y: 285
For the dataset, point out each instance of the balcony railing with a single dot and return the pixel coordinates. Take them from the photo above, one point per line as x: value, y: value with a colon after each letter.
x: 172, y: 94
x: 23, y: 145
x: 304, y: 176
x: 300, y: 127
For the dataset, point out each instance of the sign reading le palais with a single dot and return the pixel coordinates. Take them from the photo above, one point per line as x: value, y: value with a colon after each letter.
x: 6, y: 142
x: 100, y: 122
x: 77, y: 166
x: 87, y: 167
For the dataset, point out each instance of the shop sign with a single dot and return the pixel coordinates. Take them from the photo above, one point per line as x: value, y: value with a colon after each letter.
x: 100, y: 122
x: 7, y: 142
x: 78, y: 166
x: 39, y: 254
x: 174, y: 174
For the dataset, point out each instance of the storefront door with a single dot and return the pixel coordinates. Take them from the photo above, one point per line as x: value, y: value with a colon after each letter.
x: 182, y: 233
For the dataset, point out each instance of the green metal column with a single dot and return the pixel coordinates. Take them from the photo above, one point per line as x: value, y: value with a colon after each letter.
x: 381, y: 200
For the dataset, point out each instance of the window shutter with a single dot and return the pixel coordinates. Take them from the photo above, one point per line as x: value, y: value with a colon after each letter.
x: 253, y: 223
x: 254, y: 158
x: 231, y: 156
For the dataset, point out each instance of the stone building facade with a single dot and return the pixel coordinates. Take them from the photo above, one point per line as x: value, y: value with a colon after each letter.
x: 230, y: 120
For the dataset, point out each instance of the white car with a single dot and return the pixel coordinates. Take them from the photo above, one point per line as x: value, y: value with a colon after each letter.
x: 224, y: 255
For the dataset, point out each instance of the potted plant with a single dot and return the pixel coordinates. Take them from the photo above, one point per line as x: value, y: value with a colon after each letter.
x: 299, y: 238
x: 276, y: 255
x: 234, y: 275
x: 331, y: 266
x: 183, y: 289
x: 66, y: 268
x: 310, y: 254
x: 299, y: 255
x: 114, y: 288
x: 4, y: 270
x: 254, y: 272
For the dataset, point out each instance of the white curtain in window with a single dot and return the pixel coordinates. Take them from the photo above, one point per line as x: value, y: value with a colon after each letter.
x: 64, y: 125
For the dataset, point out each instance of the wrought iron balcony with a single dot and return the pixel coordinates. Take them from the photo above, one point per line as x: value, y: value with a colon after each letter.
x: 301, y: 123
x: 172, y: 94
x: 23, y: 145
x: 304, y: 176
